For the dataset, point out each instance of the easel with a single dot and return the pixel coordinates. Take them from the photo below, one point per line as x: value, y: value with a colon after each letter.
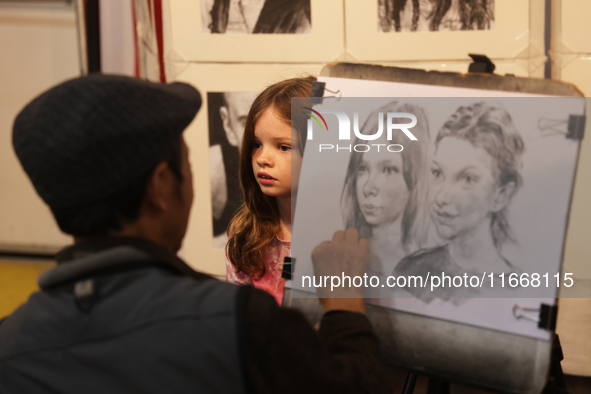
x: 445, y: 350
x: 556, y: 383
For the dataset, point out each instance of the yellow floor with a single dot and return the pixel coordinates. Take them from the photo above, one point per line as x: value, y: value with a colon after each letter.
x: 18, y: 279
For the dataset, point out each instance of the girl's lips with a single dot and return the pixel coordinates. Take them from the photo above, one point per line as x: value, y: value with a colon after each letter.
x: 265, y: 178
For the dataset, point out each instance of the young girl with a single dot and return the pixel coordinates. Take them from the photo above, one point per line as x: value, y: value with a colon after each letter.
x: 260, y: 233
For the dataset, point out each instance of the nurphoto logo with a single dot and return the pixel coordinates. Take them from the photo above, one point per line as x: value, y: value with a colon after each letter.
x: 345, y: 129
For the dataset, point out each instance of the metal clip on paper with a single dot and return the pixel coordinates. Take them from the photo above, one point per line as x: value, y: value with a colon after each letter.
x: 318, y: 89
x: 573, y: 128
x: 288, y: 264
x: 546, y: 317
x: 576, y: 127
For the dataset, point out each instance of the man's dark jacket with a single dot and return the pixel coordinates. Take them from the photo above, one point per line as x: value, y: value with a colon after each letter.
x: 122, y: 315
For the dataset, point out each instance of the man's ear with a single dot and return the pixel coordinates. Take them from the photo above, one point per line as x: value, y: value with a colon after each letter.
x: 230, y: 135
x: 157, y: 189
x: 502, y: 196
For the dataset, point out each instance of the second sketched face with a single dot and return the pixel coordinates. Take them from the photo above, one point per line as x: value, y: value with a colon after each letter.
x: 463, y: 188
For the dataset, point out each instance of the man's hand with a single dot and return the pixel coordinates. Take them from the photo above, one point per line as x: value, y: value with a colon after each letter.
x: 345, y: 255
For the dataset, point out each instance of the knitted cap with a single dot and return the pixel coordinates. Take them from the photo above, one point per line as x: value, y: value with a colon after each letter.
x: 89, y: 137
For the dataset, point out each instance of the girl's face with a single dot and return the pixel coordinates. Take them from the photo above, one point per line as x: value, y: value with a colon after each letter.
x: 382, y: 193
x: 464, y: 188
x: 272, y: 156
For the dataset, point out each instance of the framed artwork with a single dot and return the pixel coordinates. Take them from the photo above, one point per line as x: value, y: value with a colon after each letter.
x: 440, y: 15
x: 256, y: 17
x: 227, y: 112
x: 442, y: 29
x: 289, y: 31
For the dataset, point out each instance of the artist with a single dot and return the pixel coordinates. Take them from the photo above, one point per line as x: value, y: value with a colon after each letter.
x: 121, y: 313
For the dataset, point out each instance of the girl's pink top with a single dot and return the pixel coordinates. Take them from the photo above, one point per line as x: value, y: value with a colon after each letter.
x: 271, y: 282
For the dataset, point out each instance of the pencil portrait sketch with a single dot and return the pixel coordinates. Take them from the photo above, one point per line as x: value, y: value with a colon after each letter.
x: 435, y: 15
x: 256, y: 16
x: 384, y: 192
x: 481, y: 198
x: 227, y: 115
x: 475, y: 173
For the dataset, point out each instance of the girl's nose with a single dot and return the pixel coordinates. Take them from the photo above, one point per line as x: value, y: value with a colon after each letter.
x: 264, y: 158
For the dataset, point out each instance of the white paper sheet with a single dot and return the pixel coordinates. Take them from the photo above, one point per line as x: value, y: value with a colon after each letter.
x: 537, y: 213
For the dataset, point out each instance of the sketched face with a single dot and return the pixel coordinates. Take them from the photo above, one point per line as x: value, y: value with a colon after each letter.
x: 463, y: 188
x: 382, y: 193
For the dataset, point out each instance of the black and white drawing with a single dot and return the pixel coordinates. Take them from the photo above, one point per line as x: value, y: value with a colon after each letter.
x: 435, y: 15
x: 256, y: 16
x: 384, y: 194
x: 227, y: 116
x: 475, y: 172
x: 483, y: 191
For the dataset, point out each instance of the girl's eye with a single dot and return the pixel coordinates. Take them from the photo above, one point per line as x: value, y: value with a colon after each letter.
x: 284, y: 148
x: 436, y: 173
x: 361, y: 169
x: 391, y: 170
x: 256, y: 145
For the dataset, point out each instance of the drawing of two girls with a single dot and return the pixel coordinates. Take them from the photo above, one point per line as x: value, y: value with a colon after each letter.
x: 439, y: 205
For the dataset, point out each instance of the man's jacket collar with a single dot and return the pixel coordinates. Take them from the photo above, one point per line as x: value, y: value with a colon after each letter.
x: 105, y: 253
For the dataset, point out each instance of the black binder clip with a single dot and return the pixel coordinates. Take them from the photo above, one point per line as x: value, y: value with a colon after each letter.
x: 576, y: 127
x: 318, y: 89
x: 573, y: 128
x: 546, y: 318
x: 548, y: 314
x: 288, y: 264
x: 481, y: 64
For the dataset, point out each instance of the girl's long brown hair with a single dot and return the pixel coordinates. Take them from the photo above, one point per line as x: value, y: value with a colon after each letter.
x: 257, y: 222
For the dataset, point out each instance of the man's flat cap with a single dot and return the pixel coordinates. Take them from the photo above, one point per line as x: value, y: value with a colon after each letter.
x: 87, y: 138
